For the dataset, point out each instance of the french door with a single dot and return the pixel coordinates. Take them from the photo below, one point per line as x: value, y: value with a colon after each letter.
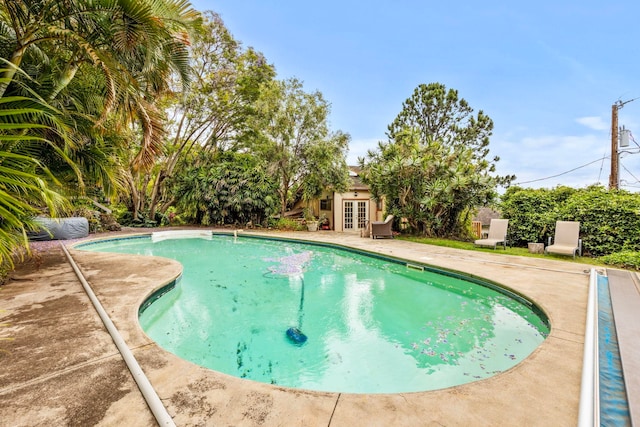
x: 355, y: 214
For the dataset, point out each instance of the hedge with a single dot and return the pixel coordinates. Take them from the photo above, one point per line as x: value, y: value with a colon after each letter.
x: 609, y: 219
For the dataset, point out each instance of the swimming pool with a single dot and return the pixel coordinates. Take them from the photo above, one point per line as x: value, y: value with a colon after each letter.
x: 373, y: 325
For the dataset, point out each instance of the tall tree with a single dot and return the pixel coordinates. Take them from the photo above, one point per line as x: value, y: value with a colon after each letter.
x: 434, y: 170
x: 225, y: 188
x: 440, y: 115
x: 212, y: 114
x: 295, y: 141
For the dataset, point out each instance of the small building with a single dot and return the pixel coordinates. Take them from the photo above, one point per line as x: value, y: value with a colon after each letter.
x: 350, y: 211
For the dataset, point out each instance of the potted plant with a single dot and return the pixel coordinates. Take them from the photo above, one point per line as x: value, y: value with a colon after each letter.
x: 324, y: 222
x: 310, y: 220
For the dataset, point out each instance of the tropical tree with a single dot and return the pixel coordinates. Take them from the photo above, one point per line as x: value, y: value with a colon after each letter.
x: 25, y: 183
x: 129, y: 48
x: 293, y: 138
x: 212, y: 114
x: 125, y: 39
x: 97, y: 152
x: 78, y: 78
x: 225, y: 188
x: 433, y: 170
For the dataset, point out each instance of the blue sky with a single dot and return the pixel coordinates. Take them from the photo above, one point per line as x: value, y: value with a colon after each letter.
x: 546, y: 72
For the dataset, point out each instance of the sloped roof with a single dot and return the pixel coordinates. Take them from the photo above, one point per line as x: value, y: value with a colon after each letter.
x: 485, y: 215
x: 356, y: 182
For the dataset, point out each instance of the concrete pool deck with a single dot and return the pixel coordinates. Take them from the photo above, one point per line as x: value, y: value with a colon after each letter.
x: 61, y: 367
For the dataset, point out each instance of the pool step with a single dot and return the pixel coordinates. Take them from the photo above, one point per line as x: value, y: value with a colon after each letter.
x: 625, y: 303
x: 157, y: 236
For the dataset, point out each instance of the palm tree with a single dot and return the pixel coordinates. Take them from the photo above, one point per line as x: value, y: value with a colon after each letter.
x: 25, y: 183
x: 88, y: 65
x: 136, y: 45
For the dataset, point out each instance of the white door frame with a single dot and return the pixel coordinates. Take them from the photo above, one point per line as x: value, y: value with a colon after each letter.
x: 355, y: 214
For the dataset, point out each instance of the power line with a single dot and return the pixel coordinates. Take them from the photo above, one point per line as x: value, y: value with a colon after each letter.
x: 633, y: 139
x: 628, y: 185
x: 604, y: 156
x: 630, y: 173
x: 563, y: 173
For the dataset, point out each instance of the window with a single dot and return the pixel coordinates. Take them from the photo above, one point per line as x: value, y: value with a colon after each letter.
x: 325, y: 204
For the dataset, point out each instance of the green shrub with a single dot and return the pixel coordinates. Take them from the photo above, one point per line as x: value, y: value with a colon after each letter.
x: 287, y: 224
x: 225, y: 189
x: 625, y: 259
x: 609, y: 220
x: 528, y: 211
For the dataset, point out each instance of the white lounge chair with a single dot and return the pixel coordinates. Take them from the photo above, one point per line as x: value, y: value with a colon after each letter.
x: 566, y: 240
x: 497, y: 234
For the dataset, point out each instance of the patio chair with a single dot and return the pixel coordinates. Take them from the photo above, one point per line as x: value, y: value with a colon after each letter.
x: 382, y: 228
x: 566, y: 240
x: 497, y: 234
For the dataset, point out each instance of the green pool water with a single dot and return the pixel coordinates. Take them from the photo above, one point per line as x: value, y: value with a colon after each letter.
x: 373, y: 325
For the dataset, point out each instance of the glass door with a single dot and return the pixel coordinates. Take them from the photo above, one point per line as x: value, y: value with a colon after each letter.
x: 355, y: 214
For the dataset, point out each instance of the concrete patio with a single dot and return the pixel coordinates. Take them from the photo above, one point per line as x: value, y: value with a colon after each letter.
x: 61, y: 367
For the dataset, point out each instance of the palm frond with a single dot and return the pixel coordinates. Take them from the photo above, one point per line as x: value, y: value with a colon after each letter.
x: 25, y: 183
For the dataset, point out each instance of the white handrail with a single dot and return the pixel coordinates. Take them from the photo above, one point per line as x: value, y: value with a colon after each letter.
x: 589, y: 412
x: 153, y: 400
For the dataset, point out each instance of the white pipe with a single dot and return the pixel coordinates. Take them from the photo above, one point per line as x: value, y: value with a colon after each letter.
x: 155, y: 404
x: 589, y: 412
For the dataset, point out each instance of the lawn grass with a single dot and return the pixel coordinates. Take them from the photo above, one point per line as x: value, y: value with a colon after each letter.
x: 469, y: 246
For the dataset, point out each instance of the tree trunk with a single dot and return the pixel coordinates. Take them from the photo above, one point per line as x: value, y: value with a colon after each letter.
x: 283, y: 202
x: 142, y: 193
x: 153, y: 202
x: 166, y: 171
x: 63, y: 79
x: 135, y: 197
x: 10, y: 71
x: 167, y: 204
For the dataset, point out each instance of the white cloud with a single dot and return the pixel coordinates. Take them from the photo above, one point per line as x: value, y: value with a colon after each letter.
x: 593, y: 122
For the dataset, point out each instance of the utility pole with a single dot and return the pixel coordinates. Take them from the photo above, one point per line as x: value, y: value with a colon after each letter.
x: 614, y: 177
